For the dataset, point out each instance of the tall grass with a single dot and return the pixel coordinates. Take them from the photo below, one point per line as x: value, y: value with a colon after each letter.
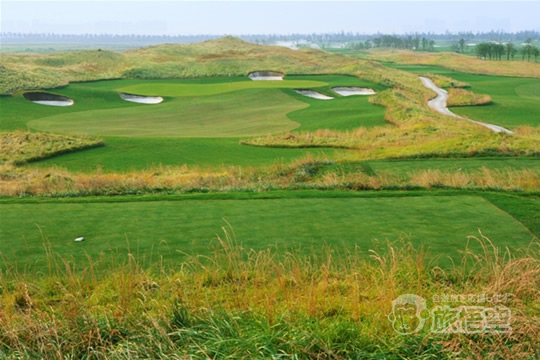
x: 305, y: 173
x: 462, y: 97
x: 240, y: 303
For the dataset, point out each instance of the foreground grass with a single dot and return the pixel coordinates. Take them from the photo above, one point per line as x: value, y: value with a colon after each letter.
x: 241, y: 303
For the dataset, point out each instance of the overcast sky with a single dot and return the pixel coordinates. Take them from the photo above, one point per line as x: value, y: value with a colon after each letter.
x: 264, y: 17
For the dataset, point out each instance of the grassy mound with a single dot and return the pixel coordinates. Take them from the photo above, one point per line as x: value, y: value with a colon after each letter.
x: 20, y: 147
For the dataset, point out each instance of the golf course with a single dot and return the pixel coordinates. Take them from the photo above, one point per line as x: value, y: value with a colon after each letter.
x: 221, y: 216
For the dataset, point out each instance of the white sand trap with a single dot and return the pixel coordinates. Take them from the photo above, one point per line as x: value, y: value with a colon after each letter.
x: 265, y: 75
x: 44, y: 98
x: 142, y: 99
x: 314, y: 94
x: 348, y: 91
x: 54, y: 103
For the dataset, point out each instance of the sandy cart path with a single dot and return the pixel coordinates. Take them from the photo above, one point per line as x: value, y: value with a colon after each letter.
x: 439, y: 104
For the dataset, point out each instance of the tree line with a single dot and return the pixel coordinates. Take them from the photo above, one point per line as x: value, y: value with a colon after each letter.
x: 499, y: 51
x: 422, y: 40
x: 396, y: 42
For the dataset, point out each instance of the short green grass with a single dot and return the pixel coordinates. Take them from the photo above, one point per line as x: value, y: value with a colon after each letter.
x: 243, y: 113
x: 122, y: 154
x: 165, y: 230
x: 175, y: 89
x: 515, y: 101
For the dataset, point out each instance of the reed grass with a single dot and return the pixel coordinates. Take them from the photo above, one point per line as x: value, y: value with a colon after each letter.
x: 241, y: 303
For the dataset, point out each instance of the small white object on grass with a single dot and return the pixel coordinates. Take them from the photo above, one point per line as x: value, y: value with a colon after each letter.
x: 79, y: 239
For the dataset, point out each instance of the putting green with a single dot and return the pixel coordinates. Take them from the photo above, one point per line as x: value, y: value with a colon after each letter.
x: 245, y: 112
x: 161, y: 89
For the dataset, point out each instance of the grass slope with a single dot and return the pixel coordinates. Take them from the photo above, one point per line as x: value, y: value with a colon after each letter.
x: 166, y: 229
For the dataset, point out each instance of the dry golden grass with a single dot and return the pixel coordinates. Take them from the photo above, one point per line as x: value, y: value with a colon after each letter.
x: 446, y: 82
x: 462, y: 97
x: 20, y: 147
x: 16, y: 181
x: 459, y: 62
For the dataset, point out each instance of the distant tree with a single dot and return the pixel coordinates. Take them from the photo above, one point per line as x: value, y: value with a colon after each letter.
x: 482, y: 50
x: 462, y: 45
x: 416, y: 42
x: 528, y: 49
x: 510, y: 50
x: 535, y: 52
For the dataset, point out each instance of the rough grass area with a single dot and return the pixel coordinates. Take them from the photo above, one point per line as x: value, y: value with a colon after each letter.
x: 306, y: 173
x: 462, y: 97
x: 238, y: 303
x: 21, y: 147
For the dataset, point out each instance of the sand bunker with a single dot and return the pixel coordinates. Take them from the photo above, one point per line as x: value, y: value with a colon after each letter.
x: 348, y: 91
x: 142, y: 99
x: 44, y: 98
x: 313, y: 94
x: 265, y: 75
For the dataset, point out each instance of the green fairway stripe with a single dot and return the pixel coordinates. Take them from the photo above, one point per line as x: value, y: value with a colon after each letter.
x: 440, y: 223
x: 180, y: 89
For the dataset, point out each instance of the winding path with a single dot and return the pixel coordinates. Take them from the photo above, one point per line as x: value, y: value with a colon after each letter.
x: 439, y: 104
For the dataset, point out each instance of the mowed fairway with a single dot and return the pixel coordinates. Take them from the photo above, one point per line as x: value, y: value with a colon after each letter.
x: 155, y: 230
x: 194, y: 129
x: 224, y: 108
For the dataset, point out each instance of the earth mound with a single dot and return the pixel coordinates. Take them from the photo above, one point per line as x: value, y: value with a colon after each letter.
x: 44, y: 98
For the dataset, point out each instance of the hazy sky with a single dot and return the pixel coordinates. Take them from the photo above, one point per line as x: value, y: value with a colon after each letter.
x: 263, y: 17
